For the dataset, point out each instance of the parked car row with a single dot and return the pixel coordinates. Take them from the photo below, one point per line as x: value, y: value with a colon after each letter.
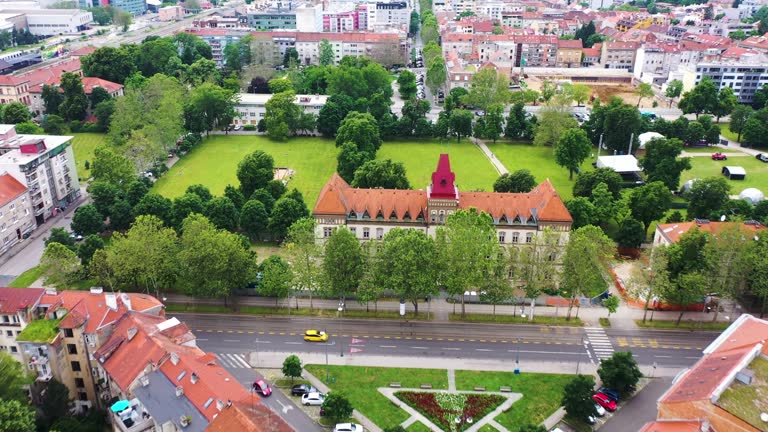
x: 310, y: 396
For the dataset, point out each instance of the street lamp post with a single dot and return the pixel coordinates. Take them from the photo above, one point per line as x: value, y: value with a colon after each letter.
x: 258, y: 362
x: 341, y: 328
x: 326, y: 362
x: 517, y: 358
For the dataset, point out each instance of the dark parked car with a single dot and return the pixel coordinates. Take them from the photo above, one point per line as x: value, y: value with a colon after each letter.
x: 302, y: 389
x: 604, y: 401
x: 611, y: 393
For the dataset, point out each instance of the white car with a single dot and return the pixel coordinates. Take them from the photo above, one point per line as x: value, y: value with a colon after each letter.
x: 600, y: 410
x: 237, y: 127
x: 314, y: 399
x: 348, y: 427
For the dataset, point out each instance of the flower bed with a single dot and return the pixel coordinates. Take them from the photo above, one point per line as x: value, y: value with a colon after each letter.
x: 451, y: 411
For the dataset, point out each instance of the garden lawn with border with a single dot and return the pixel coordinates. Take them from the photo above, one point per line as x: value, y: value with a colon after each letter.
x: 213, y: 163
x: 444, y: 409
x: 473, y: 170
x: 83, y: 145
x: 418, y: 427
x: 703, y: 167
x: 540, y: 161
x: 541, y: 393
x: 726, y: 131
x: 360, y: 385
x: 510, y: 319
x: 27, y: 278
x: 684, y: 325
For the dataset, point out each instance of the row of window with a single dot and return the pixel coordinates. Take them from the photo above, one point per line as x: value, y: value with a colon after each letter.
x: 13, y: 349
x: 9, y: 333
x: 328, y: 231
x: 9, y: 319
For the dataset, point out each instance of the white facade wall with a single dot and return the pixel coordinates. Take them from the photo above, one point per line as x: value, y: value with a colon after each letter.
x: 16, y: 219
x: 309, y: 18
x: 380, y: 14
x: 43, y: 23
x: 10, y: 327
x: 252, y: 107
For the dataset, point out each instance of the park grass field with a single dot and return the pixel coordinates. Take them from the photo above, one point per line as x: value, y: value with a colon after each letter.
x: 214, y: 164
x: 83, y: 145
x: 757, y: 172
x: 540, y: 161
x: 473, y: 170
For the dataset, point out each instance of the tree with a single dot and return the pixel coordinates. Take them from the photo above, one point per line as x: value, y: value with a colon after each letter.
x: 551, y: 125
x: 144, y: 257
x: 29, y: 128
x: 103, y: 113
x: 494, y: 123
x: 760, y: 98
x: 488, y: 87
x: 460, y: 123
x: 588, y: 180
x: 155, y: 205
x: 631, y: 233
x: 253, y: 218
x: 585, y: 257
x: 61, y: 236
x: 573, y: 148
x: 612, y: 304
x: 360, y: 129
x: 87, y: 220
x: 236, y: 196
x: 728, y: 263
x: 739, y: 117
x: 403, y: 265
x: 757, y: 257
x: 276, y: 278
x: 15, y: 417
x: 622, y: 121
x: 222, y: 213
x: 518, y: 124
x: 111, y: 64
x: 470, y: 238
x: 436, y: 74
x: 706, y: 197
x: 88, y: 247
x: 282, y: 115
x: 726, y: 103
x: 59, y: 265
x: 304, y: 255
x: 213, y: 262
x: 580, y: 93
x: 582, y: 211
x: 75, y: 103
x: 702, y: 99
x: 381, y: 173
x: 520, y: 181
x: 350, y: 160
x: 111, y: 167
x: 16, y: 112
x: 407, y: 85
x: 54, y: 125
x: 326, y: 56
x: 292, y: 367
x: 55, y: 404
x: 577, y: 397
x: 97, y: 96
x: 343, y: 263
x: 649, y: 202
x: 755, y: 131
x: 255, y: 171
x: 674, y: 89
x: 13, y: 379
x: 290, y: 58
x: 620, y: 372
x: 662, y: 162
x: 644, y: 90
x: 284, y: 214
x: 208, y: 107
x: 337, y: 407
x: 280, y: 85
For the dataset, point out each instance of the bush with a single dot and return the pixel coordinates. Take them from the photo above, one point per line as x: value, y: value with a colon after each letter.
x: 249, y: 128
x: 76, y: 126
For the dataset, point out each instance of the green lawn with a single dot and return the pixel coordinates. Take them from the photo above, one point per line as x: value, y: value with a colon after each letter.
x: 757, y: 172
x: 83, y: 146
x: 510, y: 319
x: 541, y: 393
x: 214, y: 164
x: 684, y: 325
x: 540, y: 161
x: 473, y: 170
x: 418, y: 427
x: 726, y: 132
x: 359, y: 384
x: 26, y: 279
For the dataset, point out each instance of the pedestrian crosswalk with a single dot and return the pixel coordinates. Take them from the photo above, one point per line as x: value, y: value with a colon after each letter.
x: 600, y: 343
x: 235, y: 361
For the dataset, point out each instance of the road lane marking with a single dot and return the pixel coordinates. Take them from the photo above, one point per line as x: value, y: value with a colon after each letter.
x: 387, y: 346
x: 293, y: 343
x: 200, y: 339
x: 231, y: 340
x: 661, y: 356
x: 418, y: 347
x: 483, y: 350
x: 451, y: 349
x: 548, y: 352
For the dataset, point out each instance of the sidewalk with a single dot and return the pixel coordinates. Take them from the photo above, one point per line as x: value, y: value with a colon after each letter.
x: 491, y: 157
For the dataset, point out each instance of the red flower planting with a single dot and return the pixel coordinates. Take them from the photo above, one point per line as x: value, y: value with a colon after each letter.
x: 476, y: 406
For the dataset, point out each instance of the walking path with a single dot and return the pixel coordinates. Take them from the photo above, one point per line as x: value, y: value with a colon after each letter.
x: 451, y: 379
x: 491, y: 157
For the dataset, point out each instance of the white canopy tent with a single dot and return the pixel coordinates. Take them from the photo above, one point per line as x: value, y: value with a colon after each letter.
x: 644, y: 138
x: 752, y: 195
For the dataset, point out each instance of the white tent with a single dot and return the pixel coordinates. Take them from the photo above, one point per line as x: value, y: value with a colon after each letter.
x: 644, y: 138
x: 752, y: 195
x: 620, y: 164
x: 734, y: 172
x: 687, y: 185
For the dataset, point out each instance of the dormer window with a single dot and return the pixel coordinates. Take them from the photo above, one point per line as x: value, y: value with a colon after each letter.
x: 352, y: 215
x: 366, y: 215
x: 393, y: 216
x: 379, y: 215
x: 407, y: 216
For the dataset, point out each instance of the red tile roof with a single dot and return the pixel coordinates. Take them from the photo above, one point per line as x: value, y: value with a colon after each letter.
x: 673, y: 426
x: 92, y: 309
x: 45, y: 73
x: 673, y: 231
x: 756, y: 42
x: 10, y: 80
x: 89, y: 83
x: 84, y: 51
x: 246, y: 416
x: 10, y: 189
x: 14, y: 299
x: 570, y: 44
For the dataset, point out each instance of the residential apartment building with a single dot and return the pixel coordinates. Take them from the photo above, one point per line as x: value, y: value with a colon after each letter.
x: 17, y: 306
x: 219, y: 38
x: 569, y: 53
x: 17, y: 218
x: 134, y: 7
x: 45, y: 164
x: 37, y: 105
x: 536, y: 51
x: 14, y: 89
x: 252, y: 107
x: 385, y: 48
x: 619, y: 55
x: 70, y: 326
x: 392, y: 13
x: 278, y: 16
x: 346, y: 21
x: 745, y: 75
x: 371, y: 213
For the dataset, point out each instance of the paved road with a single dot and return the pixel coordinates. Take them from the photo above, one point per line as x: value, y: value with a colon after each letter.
x: 640, y: 409
x: 574, y: 345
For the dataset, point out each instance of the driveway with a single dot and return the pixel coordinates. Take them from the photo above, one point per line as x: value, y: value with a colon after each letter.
x: 640, y: 409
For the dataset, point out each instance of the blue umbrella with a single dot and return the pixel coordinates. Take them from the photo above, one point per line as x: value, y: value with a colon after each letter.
x: 120, y: 406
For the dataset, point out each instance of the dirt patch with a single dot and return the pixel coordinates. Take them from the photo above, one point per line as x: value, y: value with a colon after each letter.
x: 605, y: 92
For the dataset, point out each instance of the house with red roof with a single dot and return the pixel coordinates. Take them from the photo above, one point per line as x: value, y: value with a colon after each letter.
x: 37, y: 105
x: 72, y: 325
x: 669, y: 233
x: 15, y: 88
x: 710, y: 395
x: 17, y: 307
x: 371, y: 213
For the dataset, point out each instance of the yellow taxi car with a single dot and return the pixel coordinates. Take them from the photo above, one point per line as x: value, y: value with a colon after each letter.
x: 315, y: 336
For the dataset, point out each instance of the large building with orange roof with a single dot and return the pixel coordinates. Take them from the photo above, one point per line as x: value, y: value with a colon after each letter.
x: 371, y: 213
x: 711, y: 395
x: 669, y: 233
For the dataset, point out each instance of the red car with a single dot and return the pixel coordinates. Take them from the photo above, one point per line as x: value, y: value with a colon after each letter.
x: 719, y: 156
x: 604, y: 401
x: 261, y: 387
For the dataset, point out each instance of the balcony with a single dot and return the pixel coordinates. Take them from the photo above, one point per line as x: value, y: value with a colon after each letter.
x: 133, y: 419
x: 44, y: 376
x: 38, y: 360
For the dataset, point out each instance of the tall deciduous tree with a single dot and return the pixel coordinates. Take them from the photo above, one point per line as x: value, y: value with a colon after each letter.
x: 209, y: 106
x: 255, y: 171
x: 326, y: 55
x: 577, y: 397
x: 584, y: 259
x: 649, y: 202
x: 620, y: 372
x: 706, y: 197
x: 588, y: 180
x: 644, y: 90
x: 282, y: 116
x: 13, y: 378
x: 16, y: 112
x: 16, y: 417
x: 292, y: 367
x: 404, y: 265
x: 75, y: 103
x: 213, y: 262
x: 360, y: 129
x: 572, y: 149
x: 59, y: 265
x: 286, y: 211
x: 253, y: 218
x: 460, y: 123
x: 702, y: 99
x: 52, y: 98
x: 519, y: 181
x: 488, y: 87
x: 436, y: 74
x: 739, y: 117
x: 757, y: 257
x: 661, y: 162
x: 674, y: 89
x: 381, y: 173
x: 551, y: 125
x: 222, y: 213
x: 728, y: 262
x: 407, y: 84
x: 111, y: 64
x: 87, y: 220
x: 276, y: 278
x: 343, y: 263
x: 304, y: 255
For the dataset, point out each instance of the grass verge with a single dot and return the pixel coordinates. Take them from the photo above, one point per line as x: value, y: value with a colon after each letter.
x: 359, y: 384
x: 83, y: 145
x: 418, y: 427
x: 605, y: 322
x: 277, y: 310
x: 26, y: 279
x: 509, y: 319
x: 541, y: 393
x: 684, y: 325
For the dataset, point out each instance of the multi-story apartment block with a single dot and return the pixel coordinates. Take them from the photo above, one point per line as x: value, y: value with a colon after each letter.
x: 536, y: 51
x: 346, y: 21
x: 252, y: 107
x: 45, y: 164
x: 371, y: 213
x: 619, y: 55
x: 393, y: 13
x: 279, y: 16
x: 219, y: 38
x: 134, y: 7
x: 72, y: 325
x: 569, y: 53
x: 17, y: 306
x: 657, y: 60
x: 17, y: 218
x: 745, y: 75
